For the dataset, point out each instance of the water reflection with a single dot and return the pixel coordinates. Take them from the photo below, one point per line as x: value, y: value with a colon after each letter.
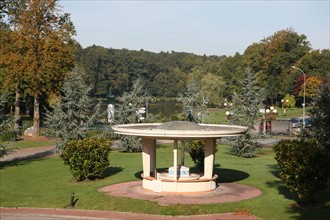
x: 166, y: 107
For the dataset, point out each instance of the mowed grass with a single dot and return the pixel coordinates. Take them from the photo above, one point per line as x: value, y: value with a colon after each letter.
x: 219, y: 116
x: 48, y: 183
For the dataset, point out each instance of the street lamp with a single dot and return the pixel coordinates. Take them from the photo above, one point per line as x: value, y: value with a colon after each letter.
x: 270, y: 114
x: 304, y: 104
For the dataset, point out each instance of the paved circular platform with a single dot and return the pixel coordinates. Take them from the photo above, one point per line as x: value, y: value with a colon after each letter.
x: 225, y: 192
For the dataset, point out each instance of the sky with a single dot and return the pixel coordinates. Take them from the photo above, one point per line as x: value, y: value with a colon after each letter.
x: 200, y: 27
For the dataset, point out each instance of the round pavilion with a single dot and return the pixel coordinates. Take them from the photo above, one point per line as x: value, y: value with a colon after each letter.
x: 178, y: 178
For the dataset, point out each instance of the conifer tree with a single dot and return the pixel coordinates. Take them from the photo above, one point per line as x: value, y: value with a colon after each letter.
x: 246, y: 107
x: 73, y: 113
x: 320, y: 114
x: 193, y: 103
x: 127, y: 111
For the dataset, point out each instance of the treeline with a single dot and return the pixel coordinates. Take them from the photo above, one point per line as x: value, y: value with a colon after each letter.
x: 167, y: 74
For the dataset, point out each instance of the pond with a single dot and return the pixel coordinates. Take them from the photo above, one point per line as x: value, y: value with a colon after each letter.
x: 165, y: 106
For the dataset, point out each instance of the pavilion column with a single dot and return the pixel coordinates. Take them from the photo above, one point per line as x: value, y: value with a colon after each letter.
x: 175, y: 158
x: 148, y: 156
x: 209, y: 158
x: 182, y: 152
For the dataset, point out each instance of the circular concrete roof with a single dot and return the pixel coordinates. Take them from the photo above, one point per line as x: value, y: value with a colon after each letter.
x: 179, y: 130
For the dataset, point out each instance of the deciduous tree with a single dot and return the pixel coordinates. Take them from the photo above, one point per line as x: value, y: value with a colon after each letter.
x: 44, y: 49
x: 312, y: 85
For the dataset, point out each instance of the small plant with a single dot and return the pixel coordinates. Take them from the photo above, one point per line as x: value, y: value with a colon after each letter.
x: 7, y: 130
x: 87, y: 158
x: 304, y: 166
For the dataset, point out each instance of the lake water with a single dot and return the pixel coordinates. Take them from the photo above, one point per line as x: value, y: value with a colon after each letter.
x: 166, y: 107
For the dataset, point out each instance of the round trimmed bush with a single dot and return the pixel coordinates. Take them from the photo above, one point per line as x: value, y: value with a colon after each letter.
x: 87, y: 158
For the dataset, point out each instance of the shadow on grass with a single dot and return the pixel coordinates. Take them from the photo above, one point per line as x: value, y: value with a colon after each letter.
x: 110, y: 171
x: 225, y: 175
x: 138, y: 174
x: 318, y: 210
x: 18, y: 162
x: 230, y: 175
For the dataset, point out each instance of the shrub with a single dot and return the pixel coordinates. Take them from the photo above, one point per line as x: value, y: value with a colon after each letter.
x: 87, y: 158
x: 196, y: 150
x: 304, y: 166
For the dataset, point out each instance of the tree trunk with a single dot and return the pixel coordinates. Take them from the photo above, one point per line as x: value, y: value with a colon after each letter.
x: 17, y: 115
x: 36, y: 118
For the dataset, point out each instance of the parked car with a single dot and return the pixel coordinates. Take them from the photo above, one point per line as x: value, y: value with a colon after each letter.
x: 297, y: 124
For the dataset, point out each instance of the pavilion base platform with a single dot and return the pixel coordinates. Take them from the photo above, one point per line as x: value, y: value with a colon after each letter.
x: 224, y: 192
x: 165, y: 183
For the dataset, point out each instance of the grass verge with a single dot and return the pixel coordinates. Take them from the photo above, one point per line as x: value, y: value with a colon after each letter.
x: 48, y: 183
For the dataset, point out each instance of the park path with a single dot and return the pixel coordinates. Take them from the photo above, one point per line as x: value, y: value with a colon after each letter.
x: 47, y: 214
x: 29, y: 153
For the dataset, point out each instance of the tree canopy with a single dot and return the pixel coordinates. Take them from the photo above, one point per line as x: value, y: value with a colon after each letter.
x: 38, y: 50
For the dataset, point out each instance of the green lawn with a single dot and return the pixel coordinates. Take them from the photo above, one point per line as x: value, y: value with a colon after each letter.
x: 48, y: 183
x: 219, y: 116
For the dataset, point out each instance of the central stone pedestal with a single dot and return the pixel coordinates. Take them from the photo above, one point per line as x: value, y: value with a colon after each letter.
x: 193, y: 183
x: 183, y: 171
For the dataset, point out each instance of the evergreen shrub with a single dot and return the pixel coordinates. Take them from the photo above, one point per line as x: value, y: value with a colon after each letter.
x: 304, y: 166
x: 196, y: 150
x: 87, y: 158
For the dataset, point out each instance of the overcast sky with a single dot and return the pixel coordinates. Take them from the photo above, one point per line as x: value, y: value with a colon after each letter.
x: 200, y: 27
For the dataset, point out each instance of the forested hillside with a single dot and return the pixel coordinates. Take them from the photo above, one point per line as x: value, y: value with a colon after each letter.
x: 168, y: 73
x: 113, y: 70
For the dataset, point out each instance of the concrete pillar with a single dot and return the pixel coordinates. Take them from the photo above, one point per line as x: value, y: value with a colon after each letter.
x: 209, y: 158
x: 182, y: 153
x: 148, y: 156
x: 175, y: 159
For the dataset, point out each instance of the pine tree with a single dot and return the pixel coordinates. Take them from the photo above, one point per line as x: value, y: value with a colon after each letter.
x: 73, y: 113
x: 193, y: 104
x: 127, y: 111
x: 246, y: 107
x: 320, y: 114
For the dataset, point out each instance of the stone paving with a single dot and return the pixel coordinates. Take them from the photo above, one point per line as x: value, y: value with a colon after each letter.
x: 225, y: 192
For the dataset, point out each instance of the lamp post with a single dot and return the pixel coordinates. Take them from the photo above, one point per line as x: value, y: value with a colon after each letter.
x: 304, y: 104
x: 270, y: 114
x: 229, y: 113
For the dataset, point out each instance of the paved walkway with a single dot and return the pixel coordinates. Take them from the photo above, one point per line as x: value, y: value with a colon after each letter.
x: 29, y: 153
x: 47, y: 214
x: 233, y: 194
